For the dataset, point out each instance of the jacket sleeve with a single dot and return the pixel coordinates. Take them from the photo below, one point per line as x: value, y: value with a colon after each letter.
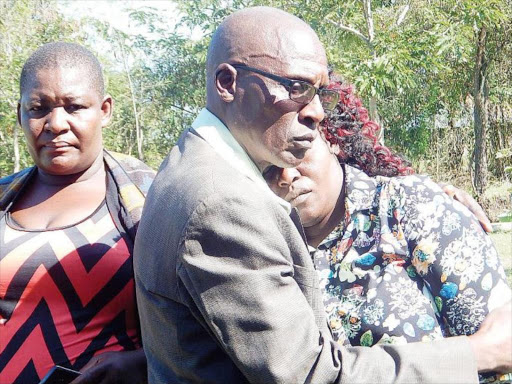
x: 254, y: 296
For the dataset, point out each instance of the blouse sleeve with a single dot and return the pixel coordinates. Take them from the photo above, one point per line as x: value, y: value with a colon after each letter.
x: 453, y: 255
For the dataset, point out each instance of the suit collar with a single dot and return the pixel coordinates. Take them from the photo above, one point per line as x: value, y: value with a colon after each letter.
x: 218, y: 136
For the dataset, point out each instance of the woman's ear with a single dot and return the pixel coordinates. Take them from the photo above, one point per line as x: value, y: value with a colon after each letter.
x: 225, y: 82
x: 107, y: 107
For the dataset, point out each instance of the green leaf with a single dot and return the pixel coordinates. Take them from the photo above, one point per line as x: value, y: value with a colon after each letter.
x: 367, y: 339
x: 439, y: 303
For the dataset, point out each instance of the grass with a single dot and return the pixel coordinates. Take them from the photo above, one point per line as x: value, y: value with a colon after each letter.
x: 503, y: 243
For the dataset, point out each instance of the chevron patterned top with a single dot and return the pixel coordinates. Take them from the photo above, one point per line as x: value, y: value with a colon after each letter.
x: 66, y: 294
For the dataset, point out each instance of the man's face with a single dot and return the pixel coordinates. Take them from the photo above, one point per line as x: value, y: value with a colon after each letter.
x: 274, y: 129
x: 313, y: 187
x: 62, y: 119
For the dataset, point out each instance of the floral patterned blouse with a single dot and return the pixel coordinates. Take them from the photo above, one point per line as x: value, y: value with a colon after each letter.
x: 407, y: 264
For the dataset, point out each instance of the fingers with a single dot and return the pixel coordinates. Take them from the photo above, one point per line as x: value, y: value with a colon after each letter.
x: 479, y: 213
x: 91, y: 376
x: 467, y: 200
x: 92, y: 372
x: 95, y: 360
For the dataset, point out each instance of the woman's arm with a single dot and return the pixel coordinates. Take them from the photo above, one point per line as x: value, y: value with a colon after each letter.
x: 127, y: 367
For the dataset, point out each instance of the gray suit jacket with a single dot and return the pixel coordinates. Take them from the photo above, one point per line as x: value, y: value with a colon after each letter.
x: 227, y: 291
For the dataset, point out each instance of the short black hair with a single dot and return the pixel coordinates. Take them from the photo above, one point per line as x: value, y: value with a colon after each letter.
x: 63, y: 54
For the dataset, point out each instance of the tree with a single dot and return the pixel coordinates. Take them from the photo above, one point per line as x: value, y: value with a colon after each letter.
x: 40, y: 24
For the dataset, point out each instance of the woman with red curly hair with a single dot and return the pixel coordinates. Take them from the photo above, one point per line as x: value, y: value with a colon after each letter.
x: 399, y: 261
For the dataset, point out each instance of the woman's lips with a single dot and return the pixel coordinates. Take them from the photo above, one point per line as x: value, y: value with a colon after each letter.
x: 57, y: 144
x: 297, y: 197
x: 58, y: 147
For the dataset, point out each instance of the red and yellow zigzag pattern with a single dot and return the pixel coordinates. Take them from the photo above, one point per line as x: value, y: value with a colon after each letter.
x: 65, y: 295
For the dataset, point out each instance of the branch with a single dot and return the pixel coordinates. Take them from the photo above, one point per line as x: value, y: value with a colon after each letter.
x: 351, y: 30
x: 367, y: 6
x: 402, y: 15
x: 181, y: 108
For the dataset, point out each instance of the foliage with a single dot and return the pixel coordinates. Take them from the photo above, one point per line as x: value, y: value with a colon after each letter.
x: 24, y: 26
x: 414, y: 62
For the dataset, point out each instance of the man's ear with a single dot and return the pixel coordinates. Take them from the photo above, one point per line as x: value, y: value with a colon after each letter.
x: 225, y: 82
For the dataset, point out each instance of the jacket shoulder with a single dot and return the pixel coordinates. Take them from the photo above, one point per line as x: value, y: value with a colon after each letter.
x: 12, y: 184
x: 5, y: 181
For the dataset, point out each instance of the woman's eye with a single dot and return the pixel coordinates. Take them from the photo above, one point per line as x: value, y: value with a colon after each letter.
x: 271, y: 173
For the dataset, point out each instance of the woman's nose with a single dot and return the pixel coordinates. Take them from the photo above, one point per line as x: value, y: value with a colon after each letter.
x: 287, y: 177
x: 57, y: 120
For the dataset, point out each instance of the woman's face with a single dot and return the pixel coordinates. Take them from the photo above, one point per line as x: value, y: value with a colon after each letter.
x: 313, y: 187
x: 62, y: 117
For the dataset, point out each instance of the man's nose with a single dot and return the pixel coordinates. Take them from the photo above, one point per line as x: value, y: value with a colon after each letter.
x: 287, y: 177
x: 313, y: 111
x: 57, y: 120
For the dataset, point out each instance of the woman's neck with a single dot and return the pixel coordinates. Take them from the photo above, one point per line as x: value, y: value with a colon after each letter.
x: 316, y: 233
x: 94, y: 172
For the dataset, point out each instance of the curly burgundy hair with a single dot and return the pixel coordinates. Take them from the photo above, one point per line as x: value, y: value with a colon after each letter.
x: 349, y: 127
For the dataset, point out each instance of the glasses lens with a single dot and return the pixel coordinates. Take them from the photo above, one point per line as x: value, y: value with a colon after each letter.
x: 328, y: 98
x: 302, y: 92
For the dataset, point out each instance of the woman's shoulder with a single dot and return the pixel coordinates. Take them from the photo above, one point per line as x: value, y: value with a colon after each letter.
x: 129, y: 162
x: 397, y: 191
x: 5, y: 181
x: 130, y: 170
x: 11, y: 185
x: 411, y: 182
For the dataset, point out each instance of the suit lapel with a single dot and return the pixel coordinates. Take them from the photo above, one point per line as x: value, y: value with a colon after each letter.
x: 294, y: 215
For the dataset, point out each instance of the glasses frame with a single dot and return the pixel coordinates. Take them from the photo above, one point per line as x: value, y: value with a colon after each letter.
x: 287, y: 83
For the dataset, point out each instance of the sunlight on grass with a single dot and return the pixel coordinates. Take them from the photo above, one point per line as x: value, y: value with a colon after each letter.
x: 503, y: 243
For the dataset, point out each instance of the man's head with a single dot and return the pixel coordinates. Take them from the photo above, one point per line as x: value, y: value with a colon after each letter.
x: 257, y: 109
x: 62, y: 108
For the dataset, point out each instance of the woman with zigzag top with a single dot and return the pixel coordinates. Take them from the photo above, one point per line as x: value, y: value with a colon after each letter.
x: 67, y: 227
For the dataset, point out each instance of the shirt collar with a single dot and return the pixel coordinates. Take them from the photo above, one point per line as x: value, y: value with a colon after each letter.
x: 215, y: 133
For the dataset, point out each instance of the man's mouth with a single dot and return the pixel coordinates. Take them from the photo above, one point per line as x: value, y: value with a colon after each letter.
x: 304, y: 141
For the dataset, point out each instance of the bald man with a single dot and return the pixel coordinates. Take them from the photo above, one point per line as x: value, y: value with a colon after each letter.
x: 226, y: 288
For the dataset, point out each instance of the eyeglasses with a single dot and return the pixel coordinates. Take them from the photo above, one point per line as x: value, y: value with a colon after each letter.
x: 300, y: 91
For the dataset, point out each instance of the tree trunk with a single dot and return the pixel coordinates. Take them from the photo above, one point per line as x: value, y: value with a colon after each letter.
x: 374, y: 113
x: 480, y: 114
x: 138, y: 130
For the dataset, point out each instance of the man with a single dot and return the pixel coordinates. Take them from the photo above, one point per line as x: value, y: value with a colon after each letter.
x: 227, y: 291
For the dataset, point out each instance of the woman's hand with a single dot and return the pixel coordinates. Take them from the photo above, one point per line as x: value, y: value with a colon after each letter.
x: 467, y: 200
x: 128, y: 367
